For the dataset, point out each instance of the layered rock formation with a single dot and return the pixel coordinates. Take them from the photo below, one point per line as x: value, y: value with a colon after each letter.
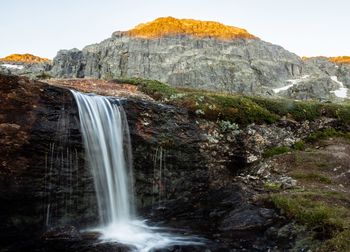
x: 197, y: 54
x: 210, y: 56
x: 206, y: 55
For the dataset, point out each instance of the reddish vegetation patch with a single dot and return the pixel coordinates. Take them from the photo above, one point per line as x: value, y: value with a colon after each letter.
x: 341, y: 59
x: 24, y: 58
x: 101, y: 87
x: 338, y: 59
x: 169, y: 26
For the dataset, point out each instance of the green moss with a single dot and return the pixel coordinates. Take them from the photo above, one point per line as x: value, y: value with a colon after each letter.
x: 305, y: 110
x: 319, y: 211
x: 340, y: 242
x: 298, y: 110
x: 276, y: 151
x: 223, y: 107
x: 326, y: 133
x: 310, y: 212
x: 153, y: 88
x: 271, y: 186
x: 237, y: 108
x: 44, y: 76
x: 246, y: 111
x: 300, y: 145
x: 312, y: 177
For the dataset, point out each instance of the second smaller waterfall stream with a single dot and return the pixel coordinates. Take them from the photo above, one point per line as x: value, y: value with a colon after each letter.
x: 107, y: 145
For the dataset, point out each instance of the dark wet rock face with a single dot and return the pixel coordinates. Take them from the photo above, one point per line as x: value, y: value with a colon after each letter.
x: 38, y: 131
x: 185, y: 172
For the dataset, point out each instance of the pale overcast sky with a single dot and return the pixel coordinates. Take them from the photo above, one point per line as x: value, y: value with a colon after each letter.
x: 42, y: 27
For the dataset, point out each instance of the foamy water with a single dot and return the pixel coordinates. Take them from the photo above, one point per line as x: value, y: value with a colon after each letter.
x: 142, y: 237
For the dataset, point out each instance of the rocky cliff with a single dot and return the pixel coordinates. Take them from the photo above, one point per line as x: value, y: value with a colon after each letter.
x: 232, y: 60
x: 206, y: 55
x: 198, y: 54
x: 199, y: 173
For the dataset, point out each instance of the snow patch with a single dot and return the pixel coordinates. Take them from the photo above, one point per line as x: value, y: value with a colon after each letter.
x: 342, y: 92
x: 12, y: 66
x: 293, y: 82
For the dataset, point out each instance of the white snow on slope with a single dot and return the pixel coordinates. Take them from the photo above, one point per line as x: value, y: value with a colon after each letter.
x: 293, y: 82
x: 342, y: 92
x: 12, y: 66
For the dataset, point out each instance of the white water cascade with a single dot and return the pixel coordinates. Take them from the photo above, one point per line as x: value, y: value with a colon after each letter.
x: 107, y: 145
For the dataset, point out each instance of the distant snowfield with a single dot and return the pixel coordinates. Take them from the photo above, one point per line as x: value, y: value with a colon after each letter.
x: 293, y: 83
x: 12, y: 66
x: 342, y: 92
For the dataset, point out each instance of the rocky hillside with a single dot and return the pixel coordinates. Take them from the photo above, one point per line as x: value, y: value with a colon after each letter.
x: 206, y: 55
x: 248, y: 174
x: 200, y: 54
x: 25, y: 64
x: 325, y: 79
x: 191, y: 53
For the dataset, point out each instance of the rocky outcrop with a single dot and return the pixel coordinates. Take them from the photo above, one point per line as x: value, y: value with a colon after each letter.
x: 38, y: 124
x: 324, y: 66
x: 323, y: 80
x: 31, y: 70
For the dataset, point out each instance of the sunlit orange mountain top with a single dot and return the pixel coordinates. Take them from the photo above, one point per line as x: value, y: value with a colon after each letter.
x: 24, y: 58
x: 340, y: 59
x: 168, y: 26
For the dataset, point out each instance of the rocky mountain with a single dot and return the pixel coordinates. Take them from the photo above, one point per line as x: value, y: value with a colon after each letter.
x: 25, y: 64
x: 186, y: 52
x: 207, y: 55
x: 200, y: 54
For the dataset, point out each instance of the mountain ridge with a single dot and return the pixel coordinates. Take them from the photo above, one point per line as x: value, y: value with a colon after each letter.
x: 191, y: 56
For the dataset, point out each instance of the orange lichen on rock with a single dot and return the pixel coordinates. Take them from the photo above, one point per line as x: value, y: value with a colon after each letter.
x: 24, y: 58
x: 169, y: 26
x: 340, y: 59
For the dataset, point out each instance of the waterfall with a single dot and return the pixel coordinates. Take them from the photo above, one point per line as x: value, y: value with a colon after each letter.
x: 105, y: 132
x: 107, y: 145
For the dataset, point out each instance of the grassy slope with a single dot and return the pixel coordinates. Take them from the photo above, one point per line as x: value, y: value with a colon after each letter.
x: 317, y: 203
x: 238, y: 108
x: 321, y: 201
